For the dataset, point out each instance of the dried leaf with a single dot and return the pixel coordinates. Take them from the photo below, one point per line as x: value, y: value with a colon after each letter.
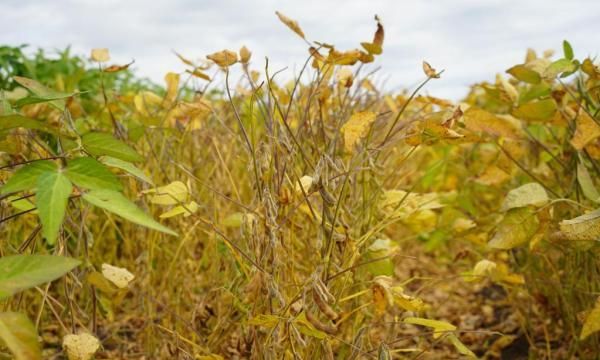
x: 121, y: 277
x: 117, y: 68
x: 81, y: 347
x: 582, y: 228
x: 429, y: 71
x: 292, y: 24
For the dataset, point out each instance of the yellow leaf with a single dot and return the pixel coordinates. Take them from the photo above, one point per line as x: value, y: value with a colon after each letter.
x: 510, y: 90
x: 439, y: 327
x: 349, y: 57
x: 375, y: 47
x: 406, y: 302
x: 356, y: 128
x: 172, y: 194
x: 199, y: 74
x: 101, y: 283
x: 306, y: 182
x: 582, y: 228
x: 209, y: 357
x: 187, y: 210
x: 496, y: 272
x: 479, y: 120
x: 292, y: 24
x: 345, y: 77
x: 172, y: 81
x: 536, y: 110
x: 184, y: 60
x: 525, y: 195
x: 100, y: 55
x: 245, y: 55
x: 591, y: 323
x: 493, y: 175
x: 460, y: 347
x: 147, y: 102
x: 463, y: 224
x: 81, y: 347
x: 484, y: 268
x: 586, y: 131
x: 121, y: 277
x: 223, y: 58
x: 516, y: 228
x: 399, y: 203
x: 267, y: 321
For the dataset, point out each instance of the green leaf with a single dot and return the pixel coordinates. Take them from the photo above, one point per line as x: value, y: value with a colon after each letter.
x: 559, y: 66
x: 536, y: 110
x: 42, y: 99
x: 55, y: 97
x: 516, y: 228
x: 128, y: 167
x: 53, y: 190
x: 460, y: 347
x: 568, y: 50
x: 14, y: 121
x: 105, y: 144
x: 439, y: 327
x: 525, y: 74
x: 117, y: 203
x: 26, y: 177
x: 535, y: 92
x: 19, y: 335
x: 89, y: 173
x: 586, y: 183
x: 21, y: 272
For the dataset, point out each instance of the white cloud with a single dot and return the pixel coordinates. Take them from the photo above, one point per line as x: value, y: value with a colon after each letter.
x: 472, y: 40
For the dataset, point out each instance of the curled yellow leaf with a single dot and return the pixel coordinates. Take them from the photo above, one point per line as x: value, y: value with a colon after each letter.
x: 292, y: 24
x: 223, y: 58
x: 245, y: 55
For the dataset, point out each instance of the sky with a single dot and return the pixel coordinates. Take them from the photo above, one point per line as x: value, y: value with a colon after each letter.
x: 471, y: 40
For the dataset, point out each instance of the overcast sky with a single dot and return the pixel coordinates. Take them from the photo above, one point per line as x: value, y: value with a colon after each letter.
x: 472, y: 40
